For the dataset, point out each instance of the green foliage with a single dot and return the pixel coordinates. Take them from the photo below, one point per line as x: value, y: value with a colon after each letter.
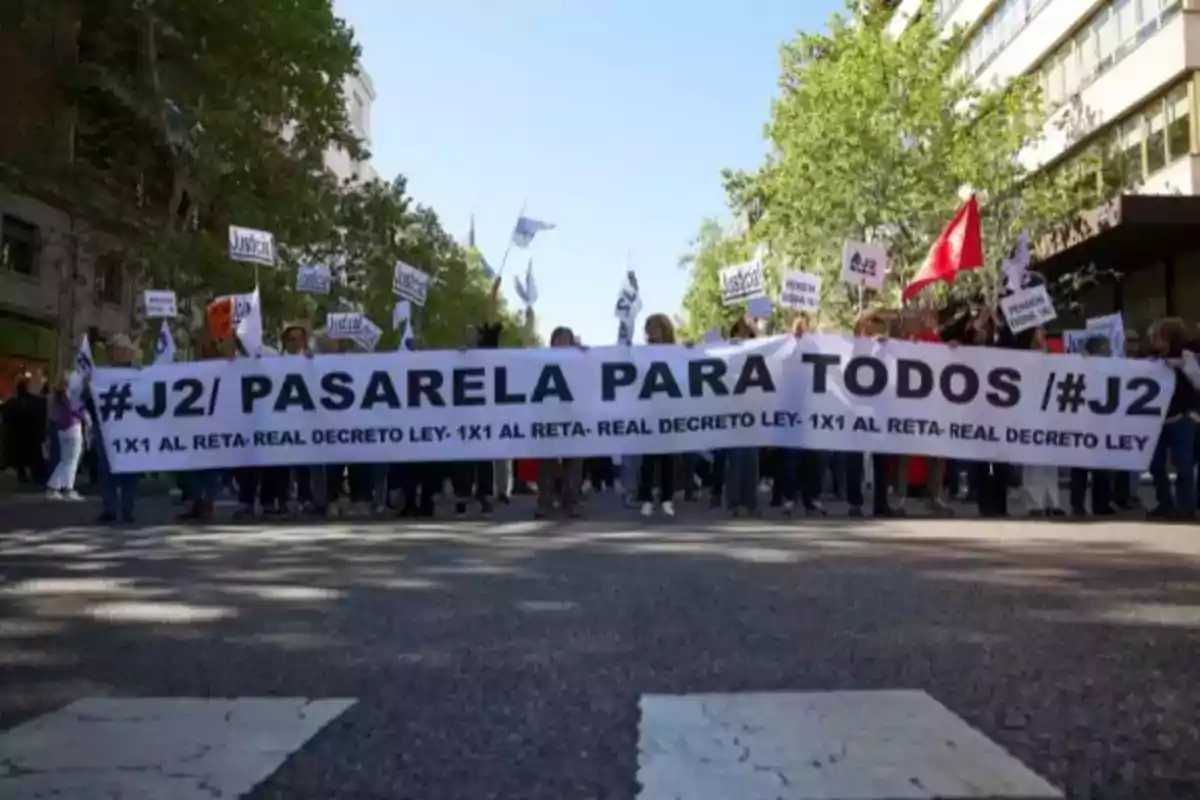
x: 189, y: 116
x: 875, y: 138
x: 711, y: 251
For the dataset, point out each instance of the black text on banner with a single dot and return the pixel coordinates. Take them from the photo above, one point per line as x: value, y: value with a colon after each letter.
x: 820, y: 392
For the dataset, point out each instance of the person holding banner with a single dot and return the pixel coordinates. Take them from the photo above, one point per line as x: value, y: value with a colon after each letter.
x: 871, y: 325
x: 1170, y: 342
x: 1100, y: 480
x: 741, y: 463
x: 1040, y: 483
x: 657, y: 469
x: 801, y: 472
x: 67, y: 423
x: 559, y: 479
x: 477, y: 478
x: 118, y: 492
x: 203, y: 486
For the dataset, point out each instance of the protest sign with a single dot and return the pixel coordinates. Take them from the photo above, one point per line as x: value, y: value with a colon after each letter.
x: 249, y: 245
x: 344, y: 324
x: 800, y: 291
x: 741, y: 282
x: 1028, y: 308
x: 1111, y: 327
x: 864, y: 264
x: 314, y: 279
x: 819, y: 392
x: 159, y: 304
x: 410, y: 283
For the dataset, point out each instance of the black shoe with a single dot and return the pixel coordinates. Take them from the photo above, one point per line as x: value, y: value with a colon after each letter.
x: 856, y: 511
x: 106, y: 519
x: 1038, y: 513
x: 814, y: 510
x: 503, y: 499
x: 887, y: 512
x: 460, y: 509
x: 485, y: 506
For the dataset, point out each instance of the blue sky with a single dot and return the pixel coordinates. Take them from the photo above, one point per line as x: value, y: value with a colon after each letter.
x: 610, y: 118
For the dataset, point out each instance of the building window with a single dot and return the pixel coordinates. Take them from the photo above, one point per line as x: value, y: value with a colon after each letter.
x: 1129, y: 142
x: 1156, y: 139
x: 18, y: 245
x: 1116, y: 29
x: 1179, y: 124
x: 109, y: 279
x: 358, y: 113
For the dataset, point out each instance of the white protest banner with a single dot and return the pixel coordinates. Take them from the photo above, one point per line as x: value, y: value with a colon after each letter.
x: 1028, y: 308
x: 314, y: 279
x: 741, y: 282
x: 255, y: 247
x: 864, y: 264
x: 368, y: 335
x: 800, y: 291
x: 410, y: 283
x: 819, y: 392
x: 1111, y: 327
x: 159, y: 304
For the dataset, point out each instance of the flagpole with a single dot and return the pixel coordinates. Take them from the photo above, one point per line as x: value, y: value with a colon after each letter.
x: 508, y: 248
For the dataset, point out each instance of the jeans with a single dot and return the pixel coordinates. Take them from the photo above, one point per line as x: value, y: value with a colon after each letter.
x: 1101, y: 483
x: 990, y: 481
x: 559, y: 478
x: 502, y: 478
x: 631, y: 468
x: 855, y: 466
x: 800, y: 475
x: 70, y: 449
x: 118, y: 493
x: 475, y: 479
x: 664, y: 465
x: 1179, y: 439
x: 741, y: 478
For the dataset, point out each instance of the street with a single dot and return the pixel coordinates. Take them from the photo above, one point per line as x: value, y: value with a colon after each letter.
x: 520, y: 659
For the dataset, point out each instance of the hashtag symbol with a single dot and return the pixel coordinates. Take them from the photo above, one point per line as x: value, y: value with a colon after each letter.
x: 115, y: 401
x: 1070, y: 392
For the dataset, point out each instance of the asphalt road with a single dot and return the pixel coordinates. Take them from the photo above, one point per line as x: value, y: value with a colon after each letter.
x: 506, y: 659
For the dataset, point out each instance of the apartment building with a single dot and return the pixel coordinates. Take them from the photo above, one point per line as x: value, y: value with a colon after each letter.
x: 1120, y: 81
x: 58, y: 277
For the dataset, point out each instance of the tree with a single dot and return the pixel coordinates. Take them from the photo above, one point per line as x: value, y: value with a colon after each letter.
x: 702, y: 306
x: 877, y: 138
x: 166, y: 122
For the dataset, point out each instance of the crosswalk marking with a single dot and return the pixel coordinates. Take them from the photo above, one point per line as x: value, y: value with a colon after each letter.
x: 852, y: 745
x: 154, y: 748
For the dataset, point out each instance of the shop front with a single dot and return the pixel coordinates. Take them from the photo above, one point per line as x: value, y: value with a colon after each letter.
x: 25, y: 345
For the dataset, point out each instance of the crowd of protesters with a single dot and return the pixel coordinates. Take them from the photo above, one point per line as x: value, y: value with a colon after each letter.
x: 49, y: 439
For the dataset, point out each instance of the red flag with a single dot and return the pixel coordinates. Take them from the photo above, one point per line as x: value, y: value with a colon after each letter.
x: 959, y: 248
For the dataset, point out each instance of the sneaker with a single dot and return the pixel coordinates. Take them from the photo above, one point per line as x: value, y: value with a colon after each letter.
x: 72, y: 495
x: 788, y: 507
x: 53, y: 494
x: 815, y: 509
x: 668, y: 508
x: 647, y: 509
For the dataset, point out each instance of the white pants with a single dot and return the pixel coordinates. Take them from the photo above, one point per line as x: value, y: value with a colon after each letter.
x: 1040, y: 485
x: 70, y: 450
x: 502, y: 478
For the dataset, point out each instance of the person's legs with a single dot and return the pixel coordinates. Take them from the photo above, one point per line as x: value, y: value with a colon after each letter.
x: 1102, y: 492
x: 645, y: 482
x: 788, y: 477
x: 70, y: 450
x: 503, y: 477
x: 1078, y: 490
x: 109, y: 496
x: 667, y: 485
x: 1183, y: 453
x: 735, y: 474
x: 750, y: 480
x: 1163, y: 497
x: 852, y: 475
x: 572, y: 483
x: 717, y: 482
x: 128, y: 487
x: 981, y: 482
x: 549, y: 471
x: 879, y: 489
x: 1002, y: 478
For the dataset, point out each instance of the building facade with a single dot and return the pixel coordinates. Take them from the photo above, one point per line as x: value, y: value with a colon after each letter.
x: 59, y: 277
x: 1120, y: 84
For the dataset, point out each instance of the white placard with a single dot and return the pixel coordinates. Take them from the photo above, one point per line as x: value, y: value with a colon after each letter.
x: 255, y: 247
x: 1112, y: 327
x: 344, y: 324
x: 314, y: 279
x: 800, y: 290
x: 368, y: 335
x: 818, y: 392
x: 1028, y: 308
x: 864, y: 264
x: 159, y: 304
x: 741, y: 282
x: 410, y: 283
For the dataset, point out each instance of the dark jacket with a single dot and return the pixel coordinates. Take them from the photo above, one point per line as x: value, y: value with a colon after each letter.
x: 489, y: 335
x: 1185, y: 399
